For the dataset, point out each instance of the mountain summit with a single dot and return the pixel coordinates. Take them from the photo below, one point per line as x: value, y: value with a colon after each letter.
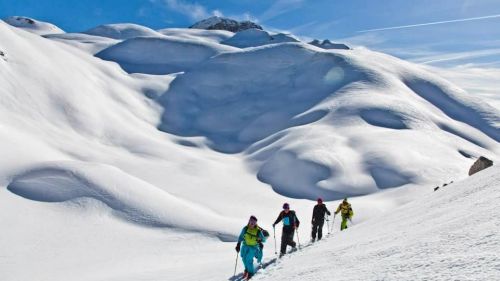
x: 220, y: 23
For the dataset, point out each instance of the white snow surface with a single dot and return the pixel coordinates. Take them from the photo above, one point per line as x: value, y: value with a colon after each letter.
x: 450, y: 234
x: 214, y: 36
x: 32, y: 25
x: 124, y: 175
x: 254, y: 37
x: 122, y: 31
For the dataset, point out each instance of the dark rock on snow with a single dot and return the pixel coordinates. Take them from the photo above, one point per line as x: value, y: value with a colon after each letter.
x: 327, y: 44
x: 218, y: 23
x: 480, y: 164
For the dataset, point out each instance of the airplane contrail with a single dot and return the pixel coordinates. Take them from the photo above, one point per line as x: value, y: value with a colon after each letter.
x: 431, y: 23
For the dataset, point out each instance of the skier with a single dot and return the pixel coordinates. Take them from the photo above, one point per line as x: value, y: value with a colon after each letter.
x: 318, y: 219
x: 290, y: 224
x: 251, y: 235
x: 345, y: 210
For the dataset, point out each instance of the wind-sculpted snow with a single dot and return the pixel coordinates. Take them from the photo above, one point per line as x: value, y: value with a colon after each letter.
x: 122, y: 31
x: 129, y: 197
x: 90, y: 43
x: 455, y: 109
x: 33, y: 26
x: 213, y: 36
x: 257, y: 93
x: 160, y: 55
x: 354, y: 104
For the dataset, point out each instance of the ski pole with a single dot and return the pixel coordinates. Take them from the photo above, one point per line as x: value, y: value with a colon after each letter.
x: 274, y: 234
x: 298, y: 240
x: 333, y: 222
x: 236, y: 264
x: 328, y: 223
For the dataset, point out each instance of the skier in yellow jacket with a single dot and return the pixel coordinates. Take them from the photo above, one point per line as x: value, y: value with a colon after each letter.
x: 345, y: 210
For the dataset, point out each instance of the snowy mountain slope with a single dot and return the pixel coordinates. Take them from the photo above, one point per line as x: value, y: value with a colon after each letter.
x: 89, y: 182
x: 160, y: 55
x: 214, y: 36
x: 450, y: 234
x: 90, y: 43
x: 257, y: 37
x: 351, y: 106
x: 32, y: 25
x: 122, y: 31
x: 110, y: 178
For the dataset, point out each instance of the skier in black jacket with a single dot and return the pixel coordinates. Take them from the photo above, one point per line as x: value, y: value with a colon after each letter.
x: 318, y: 219
x: 290, y: 223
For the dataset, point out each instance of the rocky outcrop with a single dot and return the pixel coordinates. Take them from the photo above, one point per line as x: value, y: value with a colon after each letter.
x: 327, y: 44
x: 218, y: 23
x: 480, y: 164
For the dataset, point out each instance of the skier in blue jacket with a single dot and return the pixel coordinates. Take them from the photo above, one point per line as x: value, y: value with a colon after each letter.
x: 250, y: 243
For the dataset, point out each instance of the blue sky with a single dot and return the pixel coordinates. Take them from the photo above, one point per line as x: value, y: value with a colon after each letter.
x: 436, y: 32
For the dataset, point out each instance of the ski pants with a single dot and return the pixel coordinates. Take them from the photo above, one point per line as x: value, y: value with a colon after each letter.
x: 259, y: 253
x: 247, y: 255
x: 343, y: 225
x: 317, y: 227
x: 287, y: 239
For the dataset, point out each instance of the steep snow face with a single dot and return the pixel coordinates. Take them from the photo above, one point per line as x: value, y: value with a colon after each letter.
x: 33, y: 26
x: 256, y: 37
x: 445, y: 235
x: 213, y: 36
x: 85, y: 42
x: 122, y: 31
x: 155, y: 55
x: 316, y: 122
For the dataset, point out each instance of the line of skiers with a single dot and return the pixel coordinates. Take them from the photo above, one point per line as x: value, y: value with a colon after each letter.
x: 250, y: 242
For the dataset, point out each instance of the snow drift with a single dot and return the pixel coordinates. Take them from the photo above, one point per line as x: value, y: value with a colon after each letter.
x: 129, y: 197
x: 32, y: 25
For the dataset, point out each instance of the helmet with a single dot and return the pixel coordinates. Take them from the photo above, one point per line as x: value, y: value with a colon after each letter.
x: 286, y: 206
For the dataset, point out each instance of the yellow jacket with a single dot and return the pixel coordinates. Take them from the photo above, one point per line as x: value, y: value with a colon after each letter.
x: 345, y: 210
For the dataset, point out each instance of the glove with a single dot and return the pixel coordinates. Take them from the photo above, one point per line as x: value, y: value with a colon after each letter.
x: 261, y: 246
x: 238, y: 247
x: 274, y: 225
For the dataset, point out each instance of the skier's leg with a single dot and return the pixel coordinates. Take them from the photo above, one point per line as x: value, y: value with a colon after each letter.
x: 320, y: 229
x: 290, y: 239
x: 284, y: 242
x: 259, y: 253
x: 313, y: 233
x: 343, y: 225
x: 249, y: 260
x: 244, y: 254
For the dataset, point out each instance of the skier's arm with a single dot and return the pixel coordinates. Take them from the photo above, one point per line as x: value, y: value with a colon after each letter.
x: 242, y: 235
x: 338, y: 210
x: 328, y: 212
x: 297, y: 222
x: 240, y: 239
x: 280, y: 217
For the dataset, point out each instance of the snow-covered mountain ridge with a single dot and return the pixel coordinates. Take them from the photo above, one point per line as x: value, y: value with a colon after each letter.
x: 164, y: 142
